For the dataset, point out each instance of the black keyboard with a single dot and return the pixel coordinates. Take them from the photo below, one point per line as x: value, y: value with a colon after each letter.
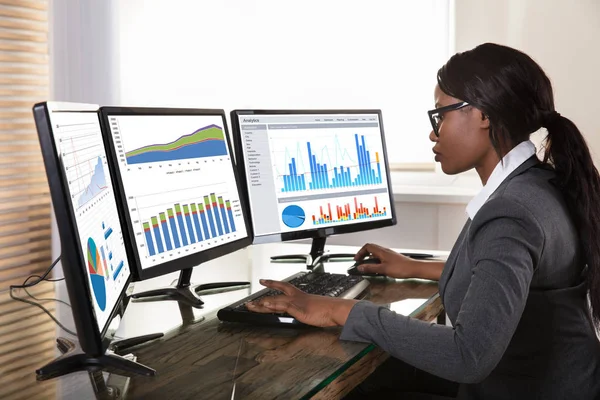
x: 321, y: 283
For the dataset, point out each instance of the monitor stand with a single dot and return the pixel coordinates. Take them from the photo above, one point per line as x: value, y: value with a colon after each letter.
x: 183, y: 291
x: 316, y: 256
x: 70, y: 361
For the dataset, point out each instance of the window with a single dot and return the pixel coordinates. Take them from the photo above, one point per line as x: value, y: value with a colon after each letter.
x: 279, y: 54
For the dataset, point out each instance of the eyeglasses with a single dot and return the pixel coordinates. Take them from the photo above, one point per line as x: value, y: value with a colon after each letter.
x: 436, y: 116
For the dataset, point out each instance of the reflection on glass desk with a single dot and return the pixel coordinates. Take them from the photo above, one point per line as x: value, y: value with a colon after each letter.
x: 201, y: 357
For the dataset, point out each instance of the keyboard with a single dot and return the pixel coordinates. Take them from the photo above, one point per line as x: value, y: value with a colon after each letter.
x: 321, y: 283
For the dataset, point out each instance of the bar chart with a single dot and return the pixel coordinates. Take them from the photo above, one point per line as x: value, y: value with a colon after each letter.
x: 345, y: 212
x: 366, y: 171
x: 193, y: 222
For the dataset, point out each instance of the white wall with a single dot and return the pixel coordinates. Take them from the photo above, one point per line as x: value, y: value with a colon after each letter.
x: 563, y: 36
x: 279, y: 54
x: 84, y: 51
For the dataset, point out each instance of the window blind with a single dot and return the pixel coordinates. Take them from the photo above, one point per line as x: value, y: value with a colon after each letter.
x: 24, y: 198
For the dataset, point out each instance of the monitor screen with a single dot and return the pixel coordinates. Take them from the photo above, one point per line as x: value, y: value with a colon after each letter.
x: 78, y: 140
x: 313, y: 170
x: 178, y: 182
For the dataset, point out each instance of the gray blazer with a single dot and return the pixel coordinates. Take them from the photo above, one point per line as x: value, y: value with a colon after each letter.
x: 514, y: 289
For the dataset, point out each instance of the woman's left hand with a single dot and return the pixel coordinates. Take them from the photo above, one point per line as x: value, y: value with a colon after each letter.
x: 307, y: 308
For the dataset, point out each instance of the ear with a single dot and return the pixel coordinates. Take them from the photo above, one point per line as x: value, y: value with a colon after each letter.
x: 485, y: 121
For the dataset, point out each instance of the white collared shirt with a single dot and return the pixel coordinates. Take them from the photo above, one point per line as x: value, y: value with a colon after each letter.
x: 517, y: 156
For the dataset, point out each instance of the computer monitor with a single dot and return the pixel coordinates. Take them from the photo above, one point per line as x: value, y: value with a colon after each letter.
x: 312, y: 174
x: 94, y: 259
x: 179, y: 193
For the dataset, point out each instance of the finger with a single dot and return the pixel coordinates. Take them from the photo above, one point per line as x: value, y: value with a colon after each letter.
x: 271, y: 303
x: 366, y: 250
x: 281, y: 286
x: 372, y: 268
x: 259, y: 308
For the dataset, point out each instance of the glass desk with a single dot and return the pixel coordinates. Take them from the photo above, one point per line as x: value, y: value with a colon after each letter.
x: 201, y: 357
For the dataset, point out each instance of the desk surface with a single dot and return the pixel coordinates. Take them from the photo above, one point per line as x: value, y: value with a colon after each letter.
x: 214, y: 360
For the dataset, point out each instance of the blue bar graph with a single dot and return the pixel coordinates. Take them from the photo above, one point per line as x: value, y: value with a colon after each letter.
x: 110, y: 255
x: 107, y: 233
x: 117, y: 271
x: 223, y: 214
x: 204, y: 224
x: 230, y: 214
x: 182, y: 224
x: 215, y: 208
x: 323, y: 176
x: 209, y: 216
x: 188, y: 219
x: 196, y: 221
x: 165, y: 231
x: 149, y: 241
x: 173, y: 227
x: 157, y: 236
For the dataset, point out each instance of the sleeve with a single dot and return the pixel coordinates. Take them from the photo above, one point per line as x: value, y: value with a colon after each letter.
x: 504, y: 245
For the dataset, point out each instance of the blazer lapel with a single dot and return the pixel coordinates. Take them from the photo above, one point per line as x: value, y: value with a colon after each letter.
x: 453, y: 256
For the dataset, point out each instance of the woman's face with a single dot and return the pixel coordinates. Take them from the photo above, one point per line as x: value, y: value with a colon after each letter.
x: 463, y: 141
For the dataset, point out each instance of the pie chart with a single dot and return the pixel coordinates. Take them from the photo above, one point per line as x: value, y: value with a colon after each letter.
x: 293, y: 216
x: 97, y: 273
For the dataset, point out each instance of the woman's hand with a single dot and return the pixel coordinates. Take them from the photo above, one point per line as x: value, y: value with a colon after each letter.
x: 307, y: 308
x: 392, y: 264
x: 396, y: 265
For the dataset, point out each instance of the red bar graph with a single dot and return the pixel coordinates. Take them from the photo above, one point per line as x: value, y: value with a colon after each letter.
x: 345, y: 213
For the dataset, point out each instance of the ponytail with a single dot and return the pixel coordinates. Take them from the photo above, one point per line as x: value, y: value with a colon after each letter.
x: 578, y: 178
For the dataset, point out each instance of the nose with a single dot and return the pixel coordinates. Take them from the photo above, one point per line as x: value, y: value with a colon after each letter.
x: 432, y: 136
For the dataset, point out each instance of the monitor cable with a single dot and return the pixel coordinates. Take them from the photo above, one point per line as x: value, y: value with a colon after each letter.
x: 26, y: 284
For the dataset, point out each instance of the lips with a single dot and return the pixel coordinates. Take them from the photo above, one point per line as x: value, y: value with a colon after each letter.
x: 437, y: 155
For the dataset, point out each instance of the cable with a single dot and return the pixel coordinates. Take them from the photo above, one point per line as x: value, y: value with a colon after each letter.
x: 44, y: 310
x: 47, y: 299
x: 26, y: 285
x: 40, y: 278
x: 47, y: 280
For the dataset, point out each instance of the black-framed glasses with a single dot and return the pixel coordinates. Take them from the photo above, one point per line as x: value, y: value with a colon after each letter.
x: 435, y: 116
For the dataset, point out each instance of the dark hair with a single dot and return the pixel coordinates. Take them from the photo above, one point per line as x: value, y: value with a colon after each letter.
x: 516, y: 95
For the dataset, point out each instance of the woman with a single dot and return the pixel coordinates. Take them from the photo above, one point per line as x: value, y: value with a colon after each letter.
x: 514, y: 285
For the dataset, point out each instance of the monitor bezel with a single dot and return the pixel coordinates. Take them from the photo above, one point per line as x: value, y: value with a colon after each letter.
x: 191, y: 260
x: 317, y: 232
x: 91, y: 338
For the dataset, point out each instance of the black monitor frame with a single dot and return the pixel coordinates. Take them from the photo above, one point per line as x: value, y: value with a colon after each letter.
x: 91, y: 338
x: 318, y: 234
x: 189, y: 261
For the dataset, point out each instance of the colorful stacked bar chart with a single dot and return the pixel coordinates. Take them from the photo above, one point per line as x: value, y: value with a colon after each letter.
x: 184, y: 238
x: 324, y: 177
x: 344, y: 213
x: 159, y: 244
x: 230, y: 215
x: 173, y: 226
x: 188, y: 220
x: 186, y: 224
x: 165, y: 230
x: 149, y: 241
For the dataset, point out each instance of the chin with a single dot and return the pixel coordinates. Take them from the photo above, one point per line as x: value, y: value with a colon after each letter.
x: 449, y: 169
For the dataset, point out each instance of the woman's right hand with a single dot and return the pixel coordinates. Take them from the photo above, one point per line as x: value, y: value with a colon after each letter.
x: 392, y: 264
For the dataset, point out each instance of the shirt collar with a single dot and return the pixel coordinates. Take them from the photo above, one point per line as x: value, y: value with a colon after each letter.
x: 511, y: 161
